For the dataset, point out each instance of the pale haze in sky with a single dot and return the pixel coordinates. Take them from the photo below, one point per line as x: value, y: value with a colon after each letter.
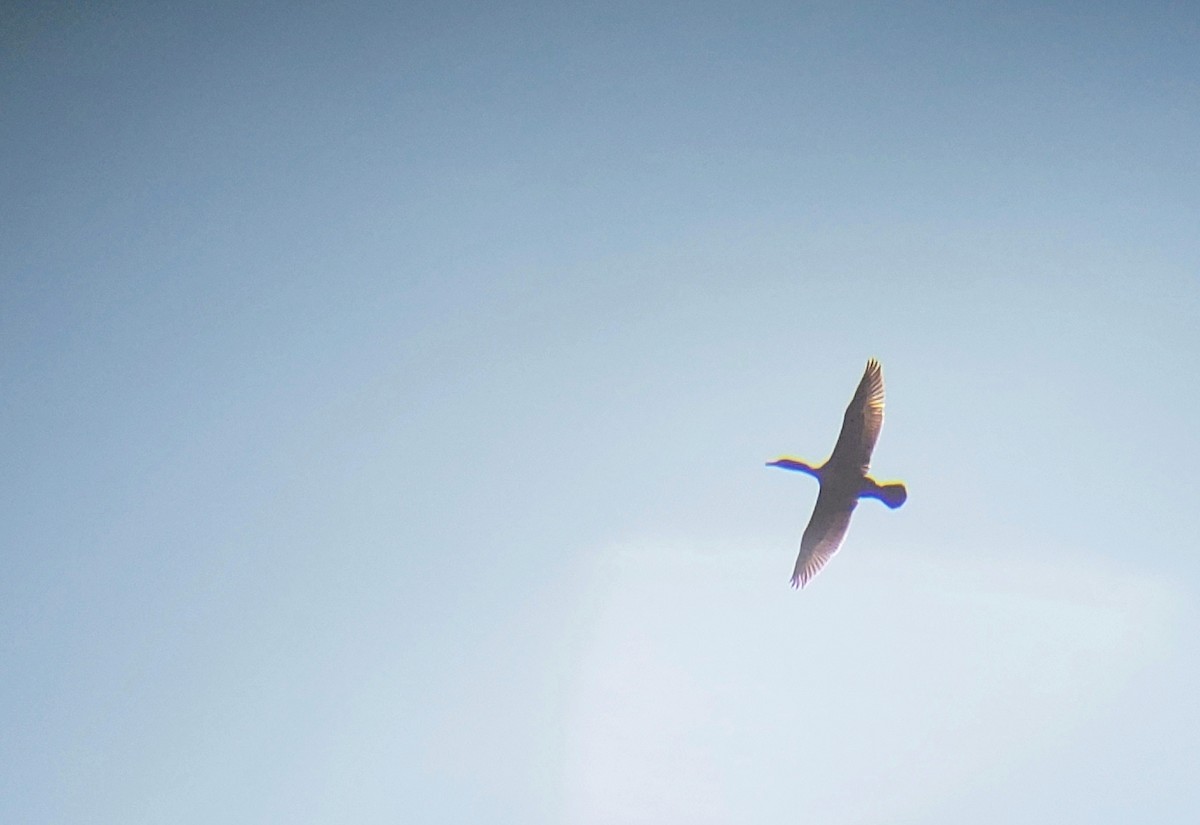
x: 385, y: 391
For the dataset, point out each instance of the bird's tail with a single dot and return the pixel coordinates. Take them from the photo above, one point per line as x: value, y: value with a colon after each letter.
x: 893, y: 495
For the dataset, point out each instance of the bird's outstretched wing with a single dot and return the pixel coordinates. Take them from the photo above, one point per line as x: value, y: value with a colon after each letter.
x: 823, y: 535
x: 861, y: 424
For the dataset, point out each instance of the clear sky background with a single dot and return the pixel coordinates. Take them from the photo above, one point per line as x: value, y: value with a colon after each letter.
x: 385, y: 391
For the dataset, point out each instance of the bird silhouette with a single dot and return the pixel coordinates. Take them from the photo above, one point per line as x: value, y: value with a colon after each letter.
x: 843, y: 478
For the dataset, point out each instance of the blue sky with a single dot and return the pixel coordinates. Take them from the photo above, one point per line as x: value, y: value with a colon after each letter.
x: 386, y: 390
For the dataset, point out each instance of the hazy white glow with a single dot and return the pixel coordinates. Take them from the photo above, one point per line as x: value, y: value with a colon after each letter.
x: 883, y: 690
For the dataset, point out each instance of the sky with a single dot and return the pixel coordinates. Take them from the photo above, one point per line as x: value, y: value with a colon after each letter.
x: 385, y: 391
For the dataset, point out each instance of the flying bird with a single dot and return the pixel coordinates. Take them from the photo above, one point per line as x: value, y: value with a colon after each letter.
x: 843, y: 478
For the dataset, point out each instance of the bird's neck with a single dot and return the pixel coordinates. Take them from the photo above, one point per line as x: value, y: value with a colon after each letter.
x: 798, y: 466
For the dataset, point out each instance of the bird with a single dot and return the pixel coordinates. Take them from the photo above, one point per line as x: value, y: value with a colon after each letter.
x: 843, y: 477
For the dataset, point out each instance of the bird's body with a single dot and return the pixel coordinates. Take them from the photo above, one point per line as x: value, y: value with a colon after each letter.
x: 843, y: 478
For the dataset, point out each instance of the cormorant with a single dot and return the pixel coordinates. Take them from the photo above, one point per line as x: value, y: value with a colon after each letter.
x: 843, y: 478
